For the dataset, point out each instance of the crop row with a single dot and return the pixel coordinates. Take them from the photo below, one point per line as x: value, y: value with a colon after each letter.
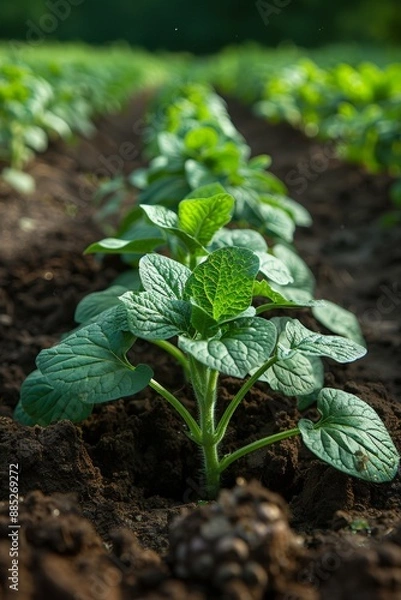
x: 340, y: 95
x: 204, y: 293
x: 58, y: 93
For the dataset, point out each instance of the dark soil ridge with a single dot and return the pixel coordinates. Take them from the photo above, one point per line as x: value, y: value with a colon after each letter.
x: 130, y: 465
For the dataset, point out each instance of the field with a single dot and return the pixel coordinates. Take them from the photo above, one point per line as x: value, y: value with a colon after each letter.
x: 99, y: 493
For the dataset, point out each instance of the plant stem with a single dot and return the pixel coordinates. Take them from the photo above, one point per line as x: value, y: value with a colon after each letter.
x: 176, y: 353
x: 231, y: 408
x: 204, y: 381
x: 209, y: 444
x: 195, y: 432
x: 271, y: 439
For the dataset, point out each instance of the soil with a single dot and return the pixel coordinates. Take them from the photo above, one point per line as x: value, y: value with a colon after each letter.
x: 100, y: 500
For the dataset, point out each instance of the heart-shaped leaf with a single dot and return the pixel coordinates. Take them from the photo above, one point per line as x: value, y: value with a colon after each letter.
x: 351, y: 437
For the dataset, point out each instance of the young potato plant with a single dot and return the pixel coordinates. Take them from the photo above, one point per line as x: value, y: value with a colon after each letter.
x: 202, y: 314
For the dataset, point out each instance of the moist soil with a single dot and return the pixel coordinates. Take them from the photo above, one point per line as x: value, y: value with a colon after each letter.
x: 98, y: 499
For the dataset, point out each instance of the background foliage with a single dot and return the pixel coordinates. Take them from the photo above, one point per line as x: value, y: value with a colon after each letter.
x: 201, y: 26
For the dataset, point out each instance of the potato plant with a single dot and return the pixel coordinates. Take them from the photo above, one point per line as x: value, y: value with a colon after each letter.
x: 200, y: 311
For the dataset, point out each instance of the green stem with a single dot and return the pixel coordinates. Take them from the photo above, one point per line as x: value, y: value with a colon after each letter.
x: 207, y: 426
x: 176, y: 353
x: 231, y: 408
x: 271, y: 439
x: 204, y: 381
x: 195, y: 432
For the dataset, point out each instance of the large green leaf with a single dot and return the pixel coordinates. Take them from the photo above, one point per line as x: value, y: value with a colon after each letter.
x: 272, y: 219
x: 244, y: 345
x: 309, y: 343
x: 301, y: 274
x: 339, y: 320
x: 161, y: 216
x: 202, y: 217
x: 91, y: 362
x: 274, y: 269
x: 351, y: 437
x: 167, y: 221
x: 222, y: 285
x: 297, y: 212
x: 154, y: 316
x: 162, y: 275
x: 41, y: 404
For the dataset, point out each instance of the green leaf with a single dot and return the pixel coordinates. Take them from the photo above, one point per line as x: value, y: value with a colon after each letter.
x: 222, y: 285
x: 262, y: 161
x: 161, y: 216
x: 306, y: 400
x: 351, y: 437
x: 297, y: 212
x: 203, y: 323
x: 41, y: 404
x: 294, y: 376
x: 272, y: 219
x: 20, y: 181
x: 169, y: 144
x: 130, y: 280
x: 243, y: 238
x: 339, y: 320
x: 155, y: 317
x: 197, y: 174
x: 202, y: 137
x: 21, y: 416
x: 301, y: 274
x: 202, y: 217
x: 91, y: 362
x: 274, y: 269
x: 264, y: 290
x: 167, y: 220
x: 165, y: 189
x: 245, y: 344
x: 118, y: 246
x: 95, y: 303
x: 164, y: 276
x: 309, y: 343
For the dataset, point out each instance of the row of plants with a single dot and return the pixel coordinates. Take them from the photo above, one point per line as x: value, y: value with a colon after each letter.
x: 344, y: 95
x: 212, y: 266
x: 58, y: 92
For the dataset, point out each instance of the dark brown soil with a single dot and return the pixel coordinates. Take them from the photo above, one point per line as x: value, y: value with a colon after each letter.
x: 98, y: 499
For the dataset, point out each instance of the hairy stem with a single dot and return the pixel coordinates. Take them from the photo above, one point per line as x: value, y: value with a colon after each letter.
x: 204, y: 381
